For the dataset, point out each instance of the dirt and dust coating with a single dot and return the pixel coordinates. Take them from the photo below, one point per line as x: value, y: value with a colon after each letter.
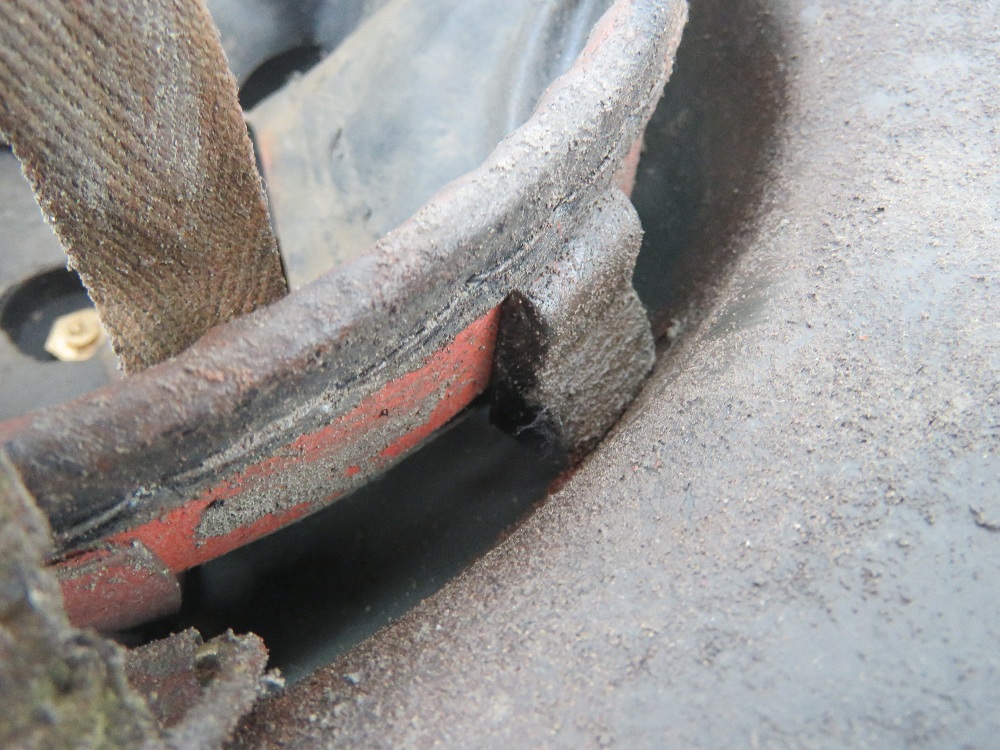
x: 775, y: 548
x: 253, y: 386
x: 576, y: 346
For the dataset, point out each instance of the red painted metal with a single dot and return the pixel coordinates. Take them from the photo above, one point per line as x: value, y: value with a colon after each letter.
x: 117, y: 586
x: 455, y: 375
x: 303, y: 401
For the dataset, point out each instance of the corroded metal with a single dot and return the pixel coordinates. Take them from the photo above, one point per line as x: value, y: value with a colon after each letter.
x: 61, y: 687
x: 575, y: 346
x: 276, y: 414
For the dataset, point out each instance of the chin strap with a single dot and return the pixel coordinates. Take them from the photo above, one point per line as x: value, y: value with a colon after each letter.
x: 126, y: 121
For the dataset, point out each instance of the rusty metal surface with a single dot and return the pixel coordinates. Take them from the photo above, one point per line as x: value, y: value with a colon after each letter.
x: 199, y: 690
x: 246, y: 424
x: 61, y: 687
x: 788, y: 542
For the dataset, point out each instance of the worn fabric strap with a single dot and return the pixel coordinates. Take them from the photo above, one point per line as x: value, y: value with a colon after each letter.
x: 125, y: 118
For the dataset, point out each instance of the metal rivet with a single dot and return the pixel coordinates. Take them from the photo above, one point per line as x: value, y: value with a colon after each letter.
x: 75, y: 337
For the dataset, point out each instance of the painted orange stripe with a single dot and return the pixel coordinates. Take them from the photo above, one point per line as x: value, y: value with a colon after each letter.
x: 463, y: 367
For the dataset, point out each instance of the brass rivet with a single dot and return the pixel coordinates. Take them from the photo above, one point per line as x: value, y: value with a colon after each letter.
x: 75, y: 337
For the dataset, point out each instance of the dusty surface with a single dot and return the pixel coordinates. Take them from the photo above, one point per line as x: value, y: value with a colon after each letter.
x: 356, y: 145
x: 253, y: 387
x: 575, y: 347
x: 199, y: 690
x: 790, y: 540
x: 59, y: 687
x: 64, y: 687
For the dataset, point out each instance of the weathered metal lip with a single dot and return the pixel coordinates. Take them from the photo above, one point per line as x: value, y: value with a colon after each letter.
x: 125, y: 454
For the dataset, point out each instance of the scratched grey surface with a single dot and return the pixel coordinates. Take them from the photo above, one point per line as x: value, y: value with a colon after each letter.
x: 791, y: 538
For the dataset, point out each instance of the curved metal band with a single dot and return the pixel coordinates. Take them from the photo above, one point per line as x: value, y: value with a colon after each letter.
x: 266, y: 400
